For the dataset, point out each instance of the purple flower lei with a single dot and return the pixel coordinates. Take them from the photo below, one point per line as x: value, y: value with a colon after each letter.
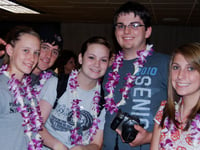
x: 44, y: 76
x: 130, y: 78
x: 76, y: 138
x: 31, y: 118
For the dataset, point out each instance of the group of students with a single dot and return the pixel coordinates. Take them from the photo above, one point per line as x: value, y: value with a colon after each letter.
x: 163, y: 92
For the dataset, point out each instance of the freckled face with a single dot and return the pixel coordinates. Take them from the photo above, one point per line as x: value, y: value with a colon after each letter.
x: 24, y: 55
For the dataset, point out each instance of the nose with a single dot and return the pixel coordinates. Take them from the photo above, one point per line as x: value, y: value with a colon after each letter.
x: 49, y: 53
x: 97, y: 63
x: 127, y: 29
x: 181, y: 74
x: 32, y: 57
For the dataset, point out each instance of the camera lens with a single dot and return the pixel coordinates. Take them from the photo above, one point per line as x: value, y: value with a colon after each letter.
x: 128, y: 131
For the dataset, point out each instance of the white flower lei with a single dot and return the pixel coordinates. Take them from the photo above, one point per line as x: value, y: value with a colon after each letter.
x: 76, y: 138
x: 32, y: 117
x: 114, y: 78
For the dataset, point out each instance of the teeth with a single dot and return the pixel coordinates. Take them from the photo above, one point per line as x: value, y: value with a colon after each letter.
x: 128, y: 38
x: 94, y: 70
x: 46, y: 61
x: 182, y: 84
x: 29, y: 65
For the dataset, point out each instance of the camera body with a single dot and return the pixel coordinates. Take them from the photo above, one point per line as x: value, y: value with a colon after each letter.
x: 125, y: 123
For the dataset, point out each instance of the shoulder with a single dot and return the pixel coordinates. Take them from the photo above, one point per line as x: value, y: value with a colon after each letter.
x: 159, y: 113
x: 160, y: 56
x: 3, y: 80
x: 159, y: 60
x: 53, y: 79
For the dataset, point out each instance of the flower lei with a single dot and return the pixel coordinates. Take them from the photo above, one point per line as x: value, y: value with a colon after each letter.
x: 77, y: 138
x: 194, y: 129
x: 44, y: 76
x: 31, y: 116
x: 114, y: 77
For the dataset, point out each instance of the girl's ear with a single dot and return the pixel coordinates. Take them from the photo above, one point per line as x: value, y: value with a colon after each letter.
x: 9, y: 49
x: 80, y: 58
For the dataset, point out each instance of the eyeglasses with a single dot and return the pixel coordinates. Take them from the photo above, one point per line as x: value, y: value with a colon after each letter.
x: 55, y: 52
x: 133, y: 25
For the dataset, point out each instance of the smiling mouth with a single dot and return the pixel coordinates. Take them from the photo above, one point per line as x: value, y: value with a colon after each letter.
x: 127, y: 38
x: 29, y: 65
x: 182, y: 84
x: 95, y: 70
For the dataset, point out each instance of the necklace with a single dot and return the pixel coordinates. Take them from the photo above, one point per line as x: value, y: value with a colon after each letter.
x: 75, y: 136
x: 32, y: 120
x: 114, y: 77
x: 44, y: 76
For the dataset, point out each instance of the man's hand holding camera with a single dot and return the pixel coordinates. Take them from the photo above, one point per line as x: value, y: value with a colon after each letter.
x: 130, y: 130
x: 143, y: 136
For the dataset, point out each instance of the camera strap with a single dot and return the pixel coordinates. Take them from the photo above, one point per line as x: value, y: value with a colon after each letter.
x: 116, y: 143
x: 61, y: 88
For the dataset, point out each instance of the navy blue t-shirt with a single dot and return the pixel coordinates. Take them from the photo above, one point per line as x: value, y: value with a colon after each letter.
x: 150, y: 88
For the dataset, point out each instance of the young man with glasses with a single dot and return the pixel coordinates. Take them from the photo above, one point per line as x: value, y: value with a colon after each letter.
x: 136, y: 83
x: 43, y: 80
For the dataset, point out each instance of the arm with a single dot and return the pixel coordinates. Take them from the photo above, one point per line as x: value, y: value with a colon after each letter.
x: 48, y: 139
x: 156, y: 137
x: 96, y: 144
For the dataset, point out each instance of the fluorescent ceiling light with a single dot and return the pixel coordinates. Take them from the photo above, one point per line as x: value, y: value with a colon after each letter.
x: 15, y: 8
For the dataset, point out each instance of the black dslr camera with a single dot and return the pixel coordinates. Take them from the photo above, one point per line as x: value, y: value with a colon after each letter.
x: 125, y: 123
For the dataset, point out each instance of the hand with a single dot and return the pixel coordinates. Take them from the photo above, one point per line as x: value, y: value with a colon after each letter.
x: 142, y: 137
x: 77, y: 147
x: 2, y: 51
x: 60, y: 147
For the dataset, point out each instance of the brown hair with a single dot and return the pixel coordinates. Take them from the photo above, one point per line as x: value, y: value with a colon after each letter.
x: 14, y: 35
x: 191, y: 53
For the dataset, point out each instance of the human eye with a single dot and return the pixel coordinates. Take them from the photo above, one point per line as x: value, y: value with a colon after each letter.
x: 44, y: 47
x: 135, y: 25
x: 37, y: 53
x: 26, y: 50
x: 190, y: 68
x: 104, y: 60
x: 119, y: 26
x: 91, y: 57
x: 175, y: 67
x: 55, y: 52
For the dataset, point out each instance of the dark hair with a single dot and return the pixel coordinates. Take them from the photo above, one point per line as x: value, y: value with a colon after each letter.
x: 14, y: 35
x: 63, y: 59
x: 95, y: 40
x: 137, y: 9
x: 52, y: 37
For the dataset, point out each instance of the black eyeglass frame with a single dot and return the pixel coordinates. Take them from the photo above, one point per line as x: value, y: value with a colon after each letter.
x: 132, y: 25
